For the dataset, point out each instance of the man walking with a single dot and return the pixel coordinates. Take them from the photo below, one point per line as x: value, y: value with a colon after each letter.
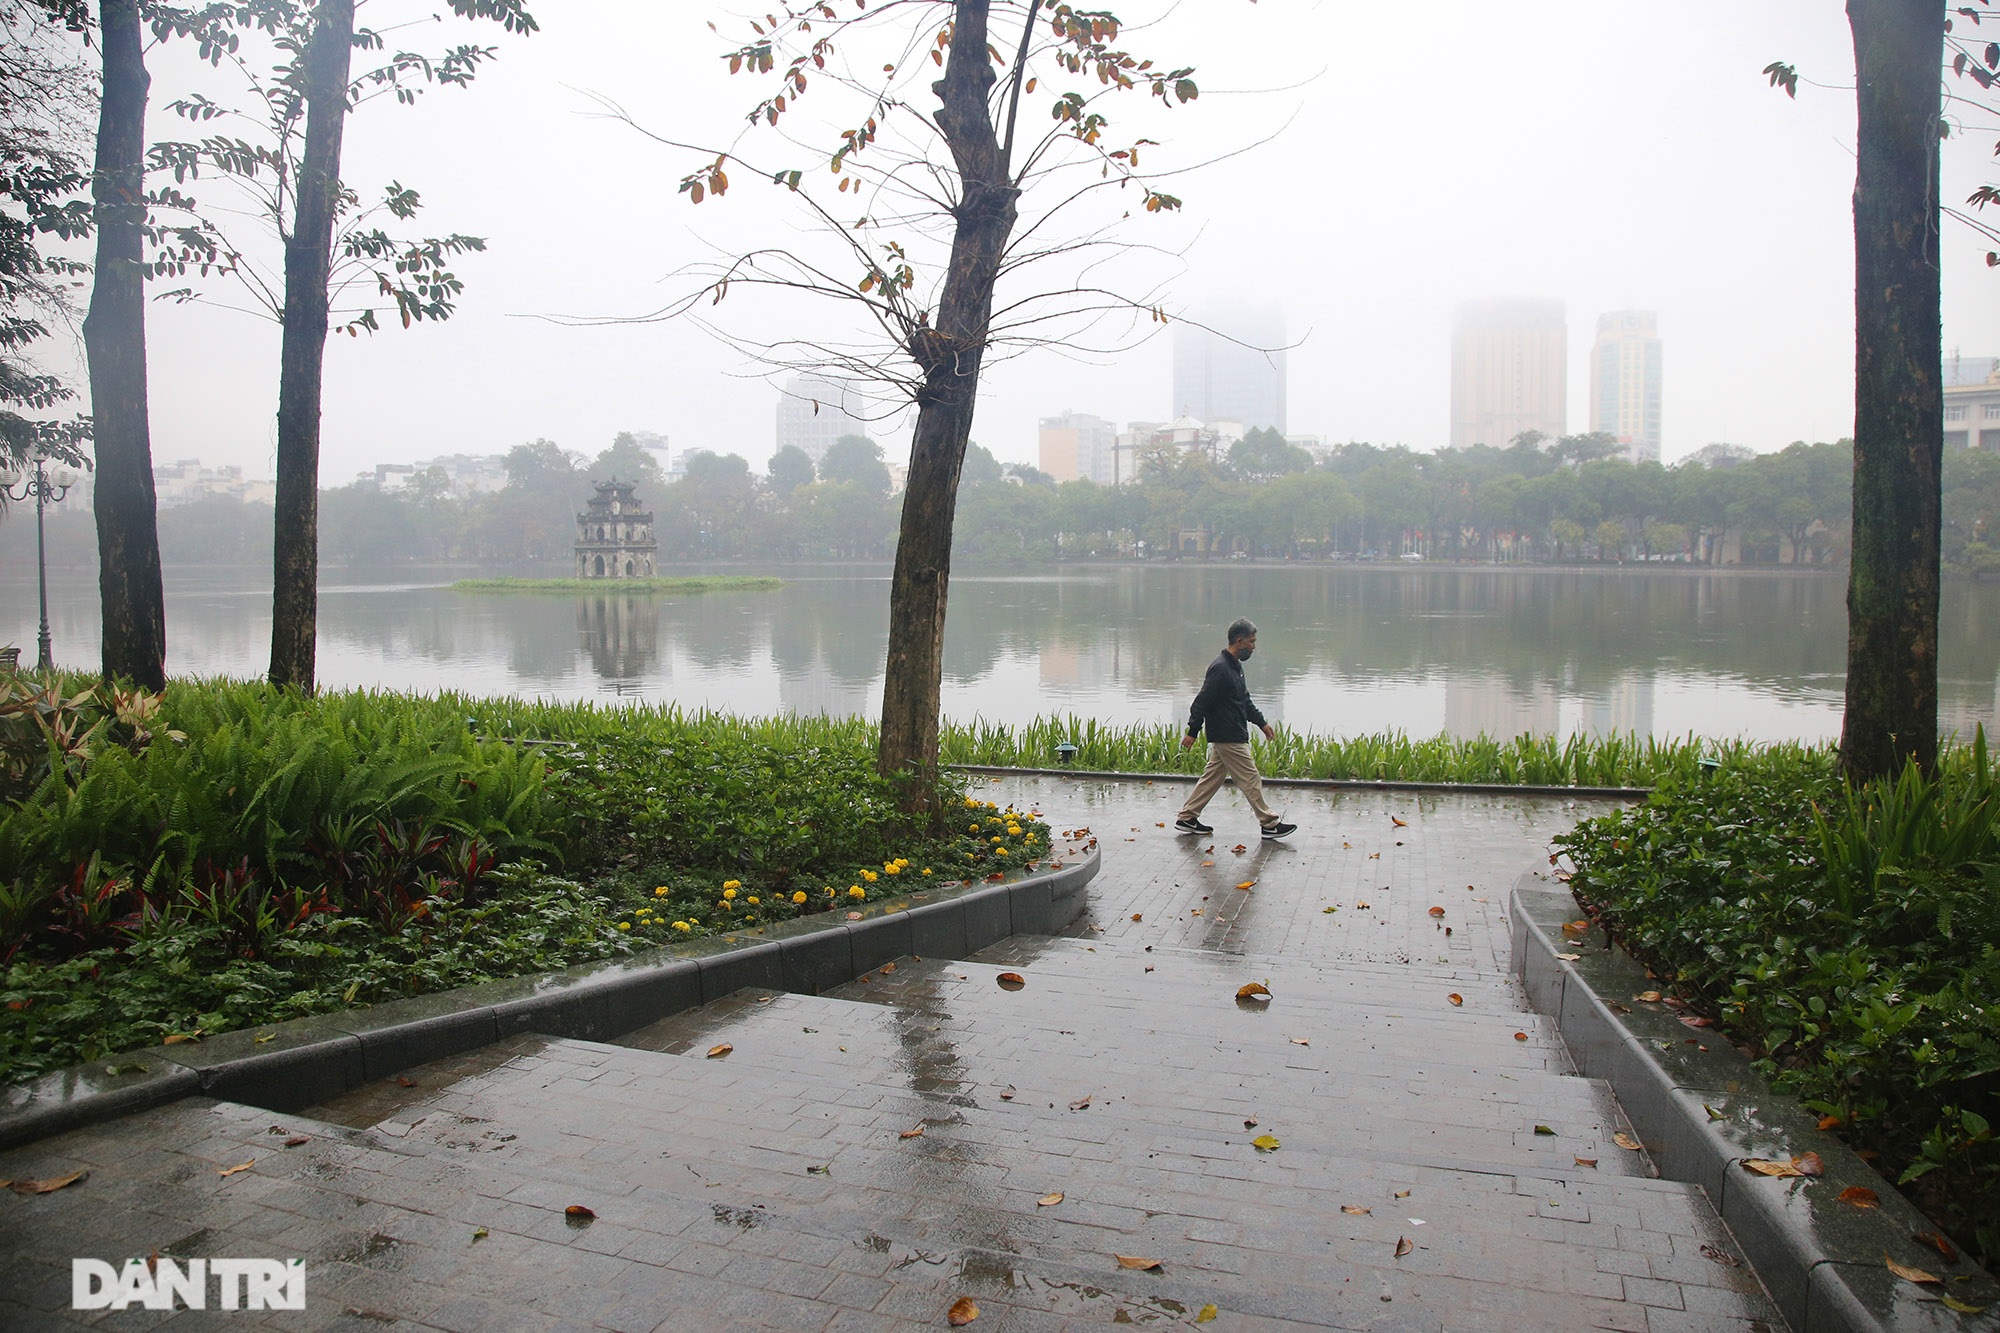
x: 1223, y: 706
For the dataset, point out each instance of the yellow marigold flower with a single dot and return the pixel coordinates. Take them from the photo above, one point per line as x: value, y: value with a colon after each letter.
x: 682, y: 925
x: 927, y: 870
x: 728, y: 892
x: 624, y: 925
x: 870, y: 876
x: 799, y: 896
x: 891, y: 868
x: 973, y: 827
x: 999, y: 840
x: 971, y: 804
x: 856, y: 891
x: 999, y: 851
x: 752, y: 901
x: 903, y: 861
x: 660, y: 892
x: 729, y: 884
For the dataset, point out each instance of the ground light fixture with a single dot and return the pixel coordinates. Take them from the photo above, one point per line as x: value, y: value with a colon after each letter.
x: 1065, y: 753
x: 46, y: 486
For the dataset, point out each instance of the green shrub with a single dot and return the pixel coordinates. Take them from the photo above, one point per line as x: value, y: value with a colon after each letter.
x: 1850, y: 938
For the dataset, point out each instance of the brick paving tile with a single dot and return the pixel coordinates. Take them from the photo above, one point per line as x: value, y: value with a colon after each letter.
x: 773, y: 1189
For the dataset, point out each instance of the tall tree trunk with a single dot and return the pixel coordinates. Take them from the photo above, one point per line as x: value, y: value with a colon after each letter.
x: 949, y: 355
x: 114, y: 339
x: 302, y: 356
x: 1892, y: 590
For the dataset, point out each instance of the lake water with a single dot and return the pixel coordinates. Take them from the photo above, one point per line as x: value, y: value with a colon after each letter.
x: 1343, y: 649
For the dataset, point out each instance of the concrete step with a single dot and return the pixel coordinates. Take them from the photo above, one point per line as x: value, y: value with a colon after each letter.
x: 679, y: 1132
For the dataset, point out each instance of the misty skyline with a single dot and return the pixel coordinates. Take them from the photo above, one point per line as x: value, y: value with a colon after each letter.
x: 1363, y: 182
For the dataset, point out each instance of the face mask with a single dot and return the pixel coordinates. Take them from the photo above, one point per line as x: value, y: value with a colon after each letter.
x: 1244, y: 654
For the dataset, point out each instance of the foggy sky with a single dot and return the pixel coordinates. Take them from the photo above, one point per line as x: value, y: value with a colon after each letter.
x: 1608, y: 156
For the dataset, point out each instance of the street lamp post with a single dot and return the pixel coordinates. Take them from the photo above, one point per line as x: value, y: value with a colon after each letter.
x: 47, y: 488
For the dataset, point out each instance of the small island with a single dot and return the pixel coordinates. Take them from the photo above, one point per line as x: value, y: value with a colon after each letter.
x: 689, y: 583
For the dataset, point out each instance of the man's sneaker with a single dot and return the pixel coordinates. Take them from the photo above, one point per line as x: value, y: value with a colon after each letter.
x: 1273, y: 832
x: 1191, y: 826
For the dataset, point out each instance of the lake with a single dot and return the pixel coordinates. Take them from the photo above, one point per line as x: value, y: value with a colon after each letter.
x: 1344, y: 649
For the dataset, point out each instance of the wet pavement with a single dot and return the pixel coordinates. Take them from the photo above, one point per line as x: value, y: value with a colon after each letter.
x: 1433, y: 1161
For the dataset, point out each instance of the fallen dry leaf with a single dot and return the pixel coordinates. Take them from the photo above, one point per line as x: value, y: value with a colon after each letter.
x: 963, y: 1311
x: 1354, y: 1210
x: 1590, y: 1162
x: 176, y: 1038
x: 1399, y: 823
x: 1520, y: 1036
x: 241, y: 1166
x: 1953, y: 1303
x: 1910, y: 1274
x: 1649, y: 996
x: 1829, y: 1121
x: 1247, y: 884
x: 580, y: 1213
x: 916, y: 1133
x: 1361, y: 906
x: 1810, y: 1165
x: 1696, y: 1021
x: 1403, y: 1246
x: 1011, y: 980
x: 1250, y: 1122
x: 1207, y: 863
x: 1437, y: 911
x: 1860, y: 1196
x: 1195, y: 912
x: 1300, y: 1041
x: 717, y: 1052
x: 1719, y: 1256
x: 1456, y: 999
x: 1253, y: 990
x: 856, y: 916
x: 1764, y: 1166
x: 1402, y: 1194
x: 1049, y: 1200
x: 1265, y: 1143
x: 1239, y: 848
x: 1938, y: 1243
x: 1626, y: 1141
x: 402, y: 1081
x: 1081, y: 1104
x: 1545, y: 1131
x: 297, y: 1140
x: 479, y: 1234
x: 1206, y: 1315
x: 1007, y: 1093
x: 1138, y: 916
x: 49, y: 1186
x: 1569, y: 957
x: 1133, y: 1261
x: 888, y: 967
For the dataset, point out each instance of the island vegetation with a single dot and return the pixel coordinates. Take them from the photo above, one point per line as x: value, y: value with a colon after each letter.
x: 682, y: 584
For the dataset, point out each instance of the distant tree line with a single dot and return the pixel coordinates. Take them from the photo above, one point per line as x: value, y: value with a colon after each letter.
x: 1535, y: 501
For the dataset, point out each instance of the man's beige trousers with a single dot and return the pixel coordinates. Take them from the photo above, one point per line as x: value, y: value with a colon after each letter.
x: 1230, y: 759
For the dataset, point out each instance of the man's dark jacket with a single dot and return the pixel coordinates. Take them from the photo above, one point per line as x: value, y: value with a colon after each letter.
x: 1223, y: 705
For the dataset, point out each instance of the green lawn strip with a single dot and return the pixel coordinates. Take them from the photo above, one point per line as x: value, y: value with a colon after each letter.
x: 230, y: 854
x: 691, y: 583
x: 1850, y: 940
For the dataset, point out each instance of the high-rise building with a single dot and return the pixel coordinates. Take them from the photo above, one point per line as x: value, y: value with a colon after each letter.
x: 1216, y: 379
x: 1077, y: 446
x: 1625, y: 382
x: 814, y: 411
x: 1509, y: 371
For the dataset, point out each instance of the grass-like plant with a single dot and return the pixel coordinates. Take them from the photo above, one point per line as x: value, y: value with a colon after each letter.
x: 1849, y: 936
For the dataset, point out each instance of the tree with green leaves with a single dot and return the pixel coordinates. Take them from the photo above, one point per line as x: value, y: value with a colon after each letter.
x: 625, y: 459
x: 939, y: 178
x: 790, y: 468
x: 45, y: 104
x: 856, y: 459
x: 291, y: 173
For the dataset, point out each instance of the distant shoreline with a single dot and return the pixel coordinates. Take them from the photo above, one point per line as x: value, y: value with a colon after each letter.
x: 694, y: 583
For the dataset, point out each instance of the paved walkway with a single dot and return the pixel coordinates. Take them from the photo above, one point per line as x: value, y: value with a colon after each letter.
x: 1438, y: 1165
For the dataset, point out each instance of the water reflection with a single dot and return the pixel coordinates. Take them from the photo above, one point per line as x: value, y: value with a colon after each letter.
x: 1344, y: 650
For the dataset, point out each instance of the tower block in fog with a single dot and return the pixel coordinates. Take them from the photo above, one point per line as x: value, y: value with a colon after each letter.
x: 1509, y: 371
x: 1625, y: 382
x: 615, y: 535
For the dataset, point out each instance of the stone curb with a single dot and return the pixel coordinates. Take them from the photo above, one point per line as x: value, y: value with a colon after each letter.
x: 291, y: 1065
x: 1342, y: 784
x: 1701, y: 1109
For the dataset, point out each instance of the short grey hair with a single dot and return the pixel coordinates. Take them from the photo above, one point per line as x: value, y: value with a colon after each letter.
x: 1240, y: 630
